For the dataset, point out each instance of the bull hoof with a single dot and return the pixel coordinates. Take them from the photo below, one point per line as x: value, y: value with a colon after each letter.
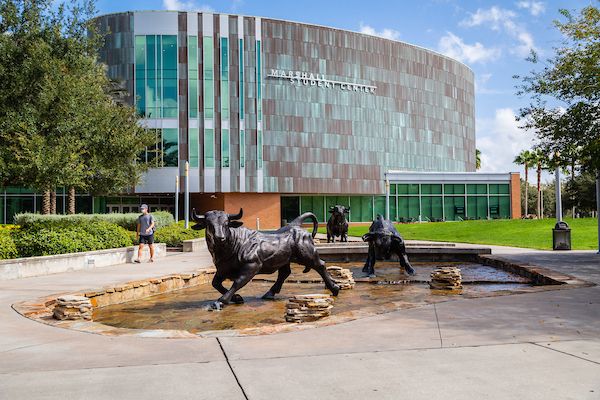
x: 269, y: 296
x: 237, y: 299
x: 335, y: 290
x: 216, y: 306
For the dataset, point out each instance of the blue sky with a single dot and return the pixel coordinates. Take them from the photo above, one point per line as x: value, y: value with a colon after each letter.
x: 492, y: 37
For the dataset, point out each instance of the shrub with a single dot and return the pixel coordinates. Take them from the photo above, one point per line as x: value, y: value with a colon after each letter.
x: 174, y: 235
x: 45, y: 242
x: 127, y: 221
x: 8, y: 249
x: 67, y: 237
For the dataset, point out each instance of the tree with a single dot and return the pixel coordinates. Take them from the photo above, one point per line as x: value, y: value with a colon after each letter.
x: 581, y: 192
x: 59, y: 124
x: 526, y: 159
x: 565, y: 94
x: 477, y: 159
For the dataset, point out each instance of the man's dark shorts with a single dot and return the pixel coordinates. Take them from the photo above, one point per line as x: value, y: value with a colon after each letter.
x: 147, y: 239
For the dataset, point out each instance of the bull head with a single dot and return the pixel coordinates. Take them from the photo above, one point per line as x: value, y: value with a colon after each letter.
x: 200, y: 221
x: 233, y: 219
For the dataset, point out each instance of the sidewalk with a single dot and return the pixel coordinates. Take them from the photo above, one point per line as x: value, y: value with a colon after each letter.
x: 529, y: 346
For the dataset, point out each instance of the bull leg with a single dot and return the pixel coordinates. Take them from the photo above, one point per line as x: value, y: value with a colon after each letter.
x: 230, y: 295
x: 329, y: 283
x: 403, y: 258
x: 217, y: 283
x: 282, y: 275
x: 369, y: 267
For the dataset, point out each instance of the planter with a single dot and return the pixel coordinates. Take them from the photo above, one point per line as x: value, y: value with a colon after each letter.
x: 45, y: 265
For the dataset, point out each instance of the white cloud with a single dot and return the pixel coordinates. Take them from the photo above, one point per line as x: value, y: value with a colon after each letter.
x: 386, y: 33
x: 190, y: 5
x: 534, y: 7
x: 500, y: 140
x: 499, y: 19
x: 454, y: 47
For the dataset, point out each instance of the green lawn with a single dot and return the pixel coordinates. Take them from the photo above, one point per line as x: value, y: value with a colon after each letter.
x: 535, y: 234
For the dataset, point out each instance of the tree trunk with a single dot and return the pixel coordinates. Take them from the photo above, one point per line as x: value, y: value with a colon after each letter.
x: 539, y: 192
x: 572, y: 185
x: 526, y: 190
x: 71, y: 200
x: 53, y: 202
x: 46, y: 202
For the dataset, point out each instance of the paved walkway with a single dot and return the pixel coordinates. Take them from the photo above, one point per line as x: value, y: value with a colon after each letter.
x: 529, y: 346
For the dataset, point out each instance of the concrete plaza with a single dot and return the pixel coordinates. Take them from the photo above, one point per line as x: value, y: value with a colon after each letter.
x: 528, y: 346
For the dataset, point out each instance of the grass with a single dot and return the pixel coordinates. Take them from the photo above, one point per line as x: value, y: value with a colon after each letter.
x: 534, y: 234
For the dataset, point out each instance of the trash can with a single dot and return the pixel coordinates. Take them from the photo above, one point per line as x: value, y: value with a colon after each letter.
x: 561, y: 236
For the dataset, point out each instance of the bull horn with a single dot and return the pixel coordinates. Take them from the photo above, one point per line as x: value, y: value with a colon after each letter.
x: 233, y: 217
x: 196, y: 217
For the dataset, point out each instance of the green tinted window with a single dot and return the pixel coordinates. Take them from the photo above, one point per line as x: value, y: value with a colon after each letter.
x: 454, y: 207
x: 193, y: 76
x: 208, y: 76
x: 170, y: 147
x: 224, y: 148
x: 313, y: 204
x: 224, y: 78
x: 361, y: 208
x: 242, y: 148
x: 241, y: 78
x: 259, y: 148
x: 392, y: 189
x: 413, y: 188
x: 479, y: 188
x: 454, y: 189
x: 431, y: 189
x: 193, y: 150
x: 209, y: 148
x: 402, y: 189
x: 408, y: 207
x: 477, y: 207
x: 380, y: 205
x: 140, y: 74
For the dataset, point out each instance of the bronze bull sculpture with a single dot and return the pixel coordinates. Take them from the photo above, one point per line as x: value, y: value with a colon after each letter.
x: 239, y: 254
x: 384, y: 241
x: 337, y: 225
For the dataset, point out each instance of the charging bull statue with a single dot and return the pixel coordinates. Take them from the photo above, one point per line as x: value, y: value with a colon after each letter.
x: 337, y: 224
x: 239, y: 253
x: 384, y: 241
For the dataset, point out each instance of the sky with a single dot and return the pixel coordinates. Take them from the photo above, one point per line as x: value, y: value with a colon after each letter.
x: 492, y: 37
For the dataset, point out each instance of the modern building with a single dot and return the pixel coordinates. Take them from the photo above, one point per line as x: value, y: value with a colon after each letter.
x: 282, y: 117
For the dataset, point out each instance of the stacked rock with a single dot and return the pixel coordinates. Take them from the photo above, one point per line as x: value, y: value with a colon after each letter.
x: 446, y: 278
x: 308, y: 307
x: 73, y: 307
x: 342, y: 276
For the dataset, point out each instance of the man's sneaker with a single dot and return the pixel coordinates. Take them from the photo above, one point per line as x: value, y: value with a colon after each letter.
x: 151, y: 260
x: 137, y: 261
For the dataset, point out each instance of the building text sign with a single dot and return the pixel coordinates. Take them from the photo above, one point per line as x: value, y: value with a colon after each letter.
x: 300, y: 78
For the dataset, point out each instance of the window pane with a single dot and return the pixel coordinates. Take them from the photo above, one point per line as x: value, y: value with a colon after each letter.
x: 209, y: 148
x: 193, y: 149
x: 380, y: 205
x: 225, y: 148
x: 170, y: 147
x: 208, y: 76
x: 242, y: 148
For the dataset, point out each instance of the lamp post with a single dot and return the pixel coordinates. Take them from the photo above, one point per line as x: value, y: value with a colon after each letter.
x: 186, y: 200
x: 561, y: 234
x: 177, y: 197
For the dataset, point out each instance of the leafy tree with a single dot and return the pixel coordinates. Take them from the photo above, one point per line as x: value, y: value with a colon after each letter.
x: 59, y: 122
x: 581, y: 192
x: 477, y: 159
x: 570, y: 80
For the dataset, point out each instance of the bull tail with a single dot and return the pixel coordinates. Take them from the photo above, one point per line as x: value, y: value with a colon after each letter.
x: 307, y: 215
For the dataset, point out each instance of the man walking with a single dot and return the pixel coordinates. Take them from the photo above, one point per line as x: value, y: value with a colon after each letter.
x: 145, y: 232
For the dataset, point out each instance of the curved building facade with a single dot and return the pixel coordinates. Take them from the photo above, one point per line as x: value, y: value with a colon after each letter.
x: 265, y: 109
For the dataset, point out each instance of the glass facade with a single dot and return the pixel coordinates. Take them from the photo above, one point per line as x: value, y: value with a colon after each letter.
x: 242, y: 139
x: 225, y: 143
x: 165, y: 153
x: 156, y: 75
x: 208, y: 99
x: 193, y: 76
x: 409, y: 201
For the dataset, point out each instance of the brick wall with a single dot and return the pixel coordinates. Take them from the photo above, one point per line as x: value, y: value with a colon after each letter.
x: 515, y: 195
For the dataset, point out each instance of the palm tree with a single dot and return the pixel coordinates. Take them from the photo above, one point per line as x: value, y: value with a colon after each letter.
x: 477, y: 159
x: 540, y: 160
x: 525, y: 158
